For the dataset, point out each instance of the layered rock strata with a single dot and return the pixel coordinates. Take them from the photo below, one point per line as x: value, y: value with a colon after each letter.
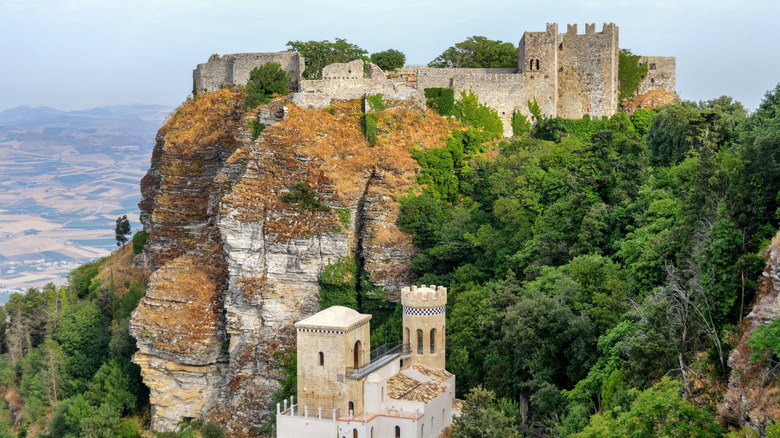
x: 752, y: 394
x: 235, y: 265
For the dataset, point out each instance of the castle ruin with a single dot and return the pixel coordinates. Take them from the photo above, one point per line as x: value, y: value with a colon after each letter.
x: 569, y: 74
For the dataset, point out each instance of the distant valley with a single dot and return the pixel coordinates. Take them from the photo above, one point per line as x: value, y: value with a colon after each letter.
x: 64, y: 179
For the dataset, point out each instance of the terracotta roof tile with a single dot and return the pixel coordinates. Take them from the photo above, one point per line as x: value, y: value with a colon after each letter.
x: 437, y: 376
x: 401, y: 387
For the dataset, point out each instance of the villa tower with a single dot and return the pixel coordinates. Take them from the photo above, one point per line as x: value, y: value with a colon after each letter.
x: 423, y: 322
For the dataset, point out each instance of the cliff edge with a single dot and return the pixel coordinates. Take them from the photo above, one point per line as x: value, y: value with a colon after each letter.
x: 234, y: 265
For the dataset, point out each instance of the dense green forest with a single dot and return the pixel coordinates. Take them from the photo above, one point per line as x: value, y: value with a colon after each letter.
x: 598, y: 269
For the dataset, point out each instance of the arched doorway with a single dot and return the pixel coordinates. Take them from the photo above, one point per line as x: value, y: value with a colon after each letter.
x: 398, y: 432
x: 357, y: 354
x: 354, y: 433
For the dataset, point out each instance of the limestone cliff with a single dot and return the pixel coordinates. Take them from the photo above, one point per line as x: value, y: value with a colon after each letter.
x: 752, y: 394
x: 234, y: 265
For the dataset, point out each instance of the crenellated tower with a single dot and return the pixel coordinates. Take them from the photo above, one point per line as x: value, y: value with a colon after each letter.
x: 424, y: 321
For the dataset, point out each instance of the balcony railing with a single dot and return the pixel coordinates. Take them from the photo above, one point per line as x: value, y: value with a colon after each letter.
x: 379, y: 358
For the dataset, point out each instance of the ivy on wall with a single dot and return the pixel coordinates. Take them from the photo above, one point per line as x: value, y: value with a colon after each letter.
x: 630, y: 74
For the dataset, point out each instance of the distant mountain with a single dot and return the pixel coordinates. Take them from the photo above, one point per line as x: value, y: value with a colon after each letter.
x: 65, y: 176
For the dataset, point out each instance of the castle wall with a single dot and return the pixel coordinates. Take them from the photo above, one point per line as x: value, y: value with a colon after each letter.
x: 428, y: 77
x: 660, y: 74
x: 587, y: 71
x: 234, y: 69
x: 348, y: 81
x: 506, y: 93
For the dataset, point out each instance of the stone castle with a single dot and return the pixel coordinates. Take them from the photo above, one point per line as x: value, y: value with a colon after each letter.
x: 347, y: 390
x: 569, y: 74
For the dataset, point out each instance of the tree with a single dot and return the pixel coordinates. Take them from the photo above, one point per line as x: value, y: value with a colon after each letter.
x: 318, y: 54
x: 265, y: 81
x: 478, y: 52
x: 480, y: 418
x: 657, y: 411
x: 122, y: 230
x: 390, y: 59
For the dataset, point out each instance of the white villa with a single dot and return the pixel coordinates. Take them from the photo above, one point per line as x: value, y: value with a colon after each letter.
x: 397, y: 391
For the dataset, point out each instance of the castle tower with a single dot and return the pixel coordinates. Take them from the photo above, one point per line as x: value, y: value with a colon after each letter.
x: 331, y: 344
x: 423, y: 321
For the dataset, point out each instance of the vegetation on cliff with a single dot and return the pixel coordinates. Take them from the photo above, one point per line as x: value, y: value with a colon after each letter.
x: 65, y: 370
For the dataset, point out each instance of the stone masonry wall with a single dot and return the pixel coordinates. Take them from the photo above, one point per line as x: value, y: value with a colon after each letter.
x: 428, y: 77
x: 588, y: 71
x: 660, y: 74
x: 347, y: 81
x: 234, y: 69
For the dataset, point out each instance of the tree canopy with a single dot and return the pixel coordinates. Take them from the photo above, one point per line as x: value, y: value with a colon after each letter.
x: 478, y: 52
x: 318, y: 54
x: 390, y: 59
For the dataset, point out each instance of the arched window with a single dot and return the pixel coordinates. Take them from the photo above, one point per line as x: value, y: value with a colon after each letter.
x: 398, y: 432
x: 357, y: 355
x: 383, y: 393
x: 372, y: 432
x: 537, y: 64
x: 433, y: 341
x: 419, y: 341
x: 322, y: 358
x: 531, y: 66
x: 351, y: 408
x: 406, y: 336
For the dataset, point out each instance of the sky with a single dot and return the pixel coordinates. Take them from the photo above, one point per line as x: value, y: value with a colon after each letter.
x: 78, y: 54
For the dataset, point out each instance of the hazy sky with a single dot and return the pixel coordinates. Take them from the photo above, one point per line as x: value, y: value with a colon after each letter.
x: 75, y: 54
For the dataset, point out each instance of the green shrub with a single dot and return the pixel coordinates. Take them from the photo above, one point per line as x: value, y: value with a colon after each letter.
x: 474, y: 114
x: 390, y: 59
x: 369, y: 125
x: 338, y: 283
x: 376, y: 102
x: 520, y: 124
x: 556, y: 128
x: 305, y: 197
x: 764, y: 342
x: 255, y: 128
x: 264, y: 81
x: 212, y: 430
x: 441, y: 100
x: 642, y: 119
x: 139, y: 240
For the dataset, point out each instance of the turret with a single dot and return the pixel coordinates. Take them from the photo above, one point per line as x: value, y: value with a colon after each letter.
x: 424, y: 319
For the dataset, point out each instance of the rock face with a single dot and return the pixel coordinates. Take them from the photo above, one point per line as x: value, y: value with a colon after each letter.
x: 752, y: 397
x: 235, y: 265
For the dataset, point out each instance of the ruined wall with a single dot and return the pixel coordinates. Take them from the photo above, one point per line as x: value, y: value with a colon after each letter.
x: 347, y: 81
x: 588, y: 71
x: 507, y: 93
x: 661, y: 74
x: 234, y: 69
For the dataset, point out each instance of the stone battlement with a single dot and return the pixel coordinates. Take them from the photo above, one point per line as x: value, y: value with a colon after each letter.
x: 569, y: 74
x: 424, y: 297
